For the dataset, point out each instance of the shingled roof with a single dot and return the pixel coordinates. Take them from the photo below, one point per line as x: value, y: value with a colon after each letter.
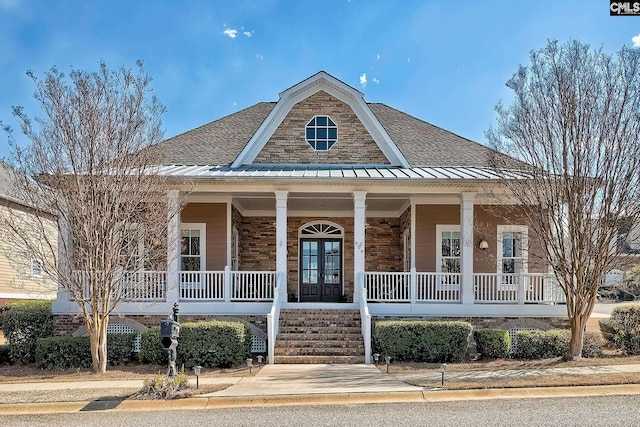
x: 421, y: 143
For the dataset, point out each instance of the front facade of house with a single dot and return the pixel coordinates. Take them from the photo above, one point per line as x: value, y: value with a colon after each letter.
x: 322, y: 200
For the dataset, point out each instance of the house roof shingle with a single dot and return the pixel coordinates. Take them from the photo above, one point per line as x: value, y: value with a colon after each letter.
x: 421, y: 143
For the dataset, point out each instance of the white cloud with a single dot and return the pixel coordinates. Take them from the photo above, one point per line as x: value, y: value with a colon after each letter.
x: 636, y: 41
x: 259, y: 57
x: 376, y: 81
x: 231, y: 33
x: 377, y: 57
x: 363, y: 79
x: 235, y: 104
x: 247, y: 33
x: 408, y: 59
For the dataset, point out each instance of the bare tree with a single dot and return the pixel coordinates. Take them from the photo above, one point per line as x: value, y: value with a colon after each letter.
x: 87, y: 162
x: 575, y: 119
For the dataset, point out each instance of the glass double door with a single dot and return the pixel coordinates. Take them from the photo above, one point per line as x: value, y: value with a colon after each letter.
x: 320, y: 270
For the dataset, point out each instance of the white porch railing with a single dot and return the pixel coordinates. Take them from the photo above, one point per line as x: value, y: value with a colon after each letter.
x: 496, y: 288
x: 253, y: 285
x: 489, y: 288
x: 202, y: 285
x: 438, y: 287
x: 365, y: 318
x: 387, y: 287
x: 133, y: 285
x: 273, y: 319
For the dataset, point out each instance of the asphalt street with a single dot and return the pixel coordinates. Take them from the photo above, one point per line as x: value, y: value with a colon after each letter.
x: 584, y: 411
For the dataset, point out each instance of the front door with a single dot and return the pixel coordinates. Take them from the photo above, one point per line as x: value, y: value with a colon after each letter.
x: 320, y: 270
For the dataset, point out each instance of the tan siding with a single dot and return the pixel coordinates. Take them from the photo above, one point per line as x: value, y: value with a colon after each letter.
x: 15, y: 261
x: 486, y: 220
x: 354, y: 146
x: 427, y: 217
x: 214, y: 215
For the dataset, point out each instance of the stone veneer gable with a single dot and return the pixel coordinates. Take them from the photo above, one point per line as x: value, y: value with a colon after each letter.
x: 288, y: 145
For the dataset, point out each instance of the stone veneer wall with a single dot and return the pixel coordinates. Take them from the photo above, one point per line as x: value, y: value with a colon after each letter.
x: 258, y: 244
x: 383, y: 245
x: 354, y: 146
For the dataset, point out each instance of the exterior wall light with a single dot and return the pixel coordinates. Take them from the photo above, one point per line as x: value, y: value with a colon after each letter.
x: 483, y: 245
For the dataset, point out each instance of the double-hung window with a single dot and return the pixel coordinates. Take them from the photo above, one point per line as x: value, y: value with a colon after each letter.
x: 448, y: 245
x: 512, y: 254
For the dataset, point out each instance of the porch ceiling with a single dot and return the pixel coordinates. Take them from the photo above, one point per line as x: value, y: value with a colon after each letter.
x: 300, y: 203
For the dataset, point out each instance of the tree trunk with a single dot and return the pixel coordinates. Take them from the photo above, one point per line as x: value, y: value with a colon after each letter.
x: 98, y: 341
x: 578, y: 327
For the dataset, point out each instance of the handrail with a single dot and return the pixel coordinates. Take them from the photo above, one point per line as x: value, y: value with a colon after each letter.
x: 273, y: 319
x: 365, y: 318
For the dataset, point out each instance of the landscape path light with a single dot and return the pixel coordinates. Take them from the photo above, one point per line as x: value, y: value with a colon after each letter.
x: 443, y: 368
x: 376, y: 358
x: 197, y: 370
x: 387, y: 360
x: 250, y: 364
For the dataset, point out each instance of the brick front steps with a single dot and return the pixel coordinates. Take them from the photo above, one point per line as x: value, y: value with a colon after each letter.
x: 319, y: 336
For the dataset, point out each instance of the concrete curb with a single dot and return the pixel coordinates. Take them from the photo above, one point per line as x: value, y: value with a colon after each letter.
x: 317, y: 399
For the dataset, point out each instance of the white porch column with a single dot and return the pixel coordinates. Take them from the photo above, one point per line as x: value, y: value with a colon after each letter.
x: 281, y: 237
x: 359, y: 222
x: 466, y: 251
x: 173, y: 247
x: 414, y: 276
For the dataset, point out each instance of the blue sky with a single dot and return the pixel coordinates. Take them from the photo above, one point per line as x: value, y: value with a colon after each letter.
x: 445, y: 62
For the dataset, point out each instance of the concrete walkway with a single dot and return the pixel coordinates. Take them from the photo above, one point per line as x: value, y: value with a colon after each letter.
x: 316, y: 379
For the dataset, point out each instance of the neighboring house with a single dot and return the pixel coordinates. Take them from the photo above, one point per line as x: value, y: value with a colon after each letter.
x: 21, y: 274
x: 322, y: 202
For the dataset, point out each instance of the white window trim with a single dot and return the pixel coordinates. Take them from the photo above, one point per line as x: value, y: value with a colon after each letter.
x: 439, y: 229
x: 202, y: 227
x: 33, y: 274
x: 235, y: 242
x: 524, y: 231
x: 320, y: 235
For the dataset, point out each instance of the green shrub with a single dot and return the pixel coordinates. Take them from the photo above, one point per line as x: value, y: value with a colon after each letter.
x: 23, y: 322
x: 622, y: 329
x: 5, y: 355
x: 540, y: 344
x: 214, y: 344
x: 63, y: 353
x: 151, y: 350
x: 422, y: 341
x: 210, y: 344
x: 75, y: 352
x: 492, y: 343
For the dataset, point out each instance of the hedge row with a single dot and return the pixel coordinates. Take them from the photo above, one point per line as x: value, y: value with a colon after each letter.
x: 23, y: 323
x: 622, y: 329
x: 209, y: 344
x: 553, y: 343
x: 492, y: 343
x: 422, y: 341
x: 5, y: 354
x: 75, y: 352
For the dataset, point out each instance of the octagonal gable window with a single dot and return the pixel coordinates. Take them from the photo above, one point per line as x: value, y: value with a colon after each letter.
x: 321, y: 133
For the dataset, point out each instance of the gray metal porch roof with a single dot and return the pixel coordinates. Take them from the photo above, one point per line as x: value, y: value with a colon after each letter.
x: 365, y: 172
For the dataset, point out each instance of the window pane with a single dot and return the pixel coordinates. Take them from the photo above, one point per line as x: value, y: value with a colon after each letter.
x: 321, y: 120
x: 321, y: 133
x: 517, y: 244
x: 333, y: 133
x: 330, y: 122
x: 508, y: 266
x: 446, y: 247
x: 311, y: 133
x: 321, y: 146
x: 195, y: 246
x: 184, y: 246
x: 190, y: 263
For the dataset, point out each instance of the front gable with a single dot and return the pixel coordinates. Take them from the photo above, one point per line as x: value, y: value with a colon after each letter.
x: 354, y: 144
x: 281, y: 137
